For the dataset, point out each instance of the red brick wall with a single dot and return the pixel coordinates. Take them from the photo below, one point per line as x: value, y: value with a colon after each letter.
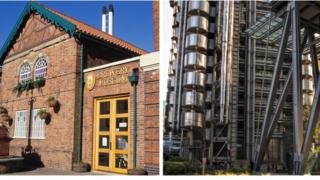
x: 35, y: 32
x: 156, y: 25
x: 56, y: 149
x: 4, y: 144
x: 151, y: 120
x: 109, y: 91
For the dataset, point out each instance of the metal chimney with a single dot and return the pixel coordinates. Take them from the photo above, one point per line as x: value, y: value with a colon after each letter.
x: 110, y: 21
x: 104, y: 19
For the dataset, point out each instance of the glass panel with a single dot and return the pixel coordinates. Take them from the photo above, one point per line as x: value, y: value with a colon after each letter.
x: 122, y: 106
x: 122, y: 124
x: 103, y: 159
x: 122, y: 161
x: 104, y: 108
x: 104, y: 142
x: 122, y: 142
x: 104, y: 124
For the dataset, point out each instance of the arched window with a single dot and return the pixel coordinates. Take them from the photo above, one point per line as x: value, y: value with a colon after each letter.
x: 25, y: 73
x: 40, y: 68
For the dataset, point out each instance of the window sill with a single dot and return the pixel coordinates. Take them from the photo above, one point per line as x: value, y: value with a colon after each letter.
x: 19, y: 137
x: 36, y: 138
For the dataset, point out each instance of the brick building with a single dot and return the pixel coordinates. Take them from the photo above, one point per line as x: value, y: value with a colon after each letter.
x: 49, y: 56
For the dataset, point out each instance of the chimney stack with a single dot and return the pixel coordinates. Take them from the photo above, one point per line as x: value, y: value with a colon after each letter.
x: 110, y: 21
x: 104, y: 19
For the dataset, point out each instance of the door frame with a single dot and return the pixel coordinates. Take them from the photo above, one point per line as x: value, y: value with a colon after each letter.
x: 95, y: 137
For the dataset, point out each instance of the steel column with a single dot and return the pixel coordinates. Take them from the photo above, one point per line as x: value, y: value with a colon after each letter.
x: 296, y: 86
x: 274, y: 85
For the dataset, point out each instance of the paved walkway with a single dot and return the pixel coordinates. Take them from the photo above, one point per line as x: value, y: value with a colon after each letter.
x: 47, y: 171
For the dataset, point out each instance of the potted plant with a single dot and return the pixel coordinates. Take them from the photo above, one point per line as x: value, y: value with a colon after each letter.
x: 5, y: 117
x: 28, y: 85
x: 38, y: 82
x: 3, y: 110
x: 18, y: 88
x: 43, y: 114
x: 52, y: 102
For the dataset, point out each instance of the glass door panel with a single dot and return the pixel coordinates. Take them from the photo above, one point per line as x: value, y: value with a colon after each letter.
x: 111, y: 137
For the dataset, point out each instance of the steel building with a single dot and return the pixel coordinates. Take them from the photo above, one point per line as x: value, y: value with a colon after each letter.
x: 221, y: 72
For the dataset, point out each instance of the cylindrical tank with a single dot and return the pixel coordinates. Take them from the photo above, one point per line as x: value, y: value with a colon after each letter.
x: 199, y: 7
x: 305, y: 59
x: 195, y: 79
x: 170, y: 70
x: 212, y: 12
x: 307, y: 86
x: 211, y: 44
x: 170, y: 83
x: 208, y: 115
x: 171, y: 98
x: 209, y: 79
x: 193, y: 119
x: 210, y: 61
x: 207, y: 131
x: 196, y: 42
x: 198, y: 24
x: 307, y: 71
x: 170, y: 116
x: 208, y: 96
x: 193, y: 99
x: 307, y: 99
x: 195, y: 60
x: 212, y: 27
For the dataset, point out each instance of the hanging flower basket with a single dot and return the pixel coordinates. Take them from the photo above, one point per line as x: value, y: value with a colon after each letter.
x: 29, y: 84
x: 5, y: 117
x: 43, y: 114
x: 52, y: 102
x: 3, y: 110
x: 38, y: 82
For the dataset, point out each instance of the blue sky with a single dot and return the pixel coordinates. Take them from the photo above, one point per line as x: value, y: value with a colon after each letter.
x: 132, y: 20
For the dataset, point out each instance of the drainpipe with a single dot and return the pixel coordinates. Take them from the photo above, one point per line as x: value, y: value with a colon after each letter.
x: 134, y: 78
x: 79, y: 138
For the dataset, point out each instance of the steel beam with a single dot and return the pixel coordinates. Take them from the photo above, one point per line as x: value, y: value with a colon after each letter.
x: 273, y: 89
x: 296, y: 86
x: 279, y: 107
x: 312, y: 124
x: 268, y: 132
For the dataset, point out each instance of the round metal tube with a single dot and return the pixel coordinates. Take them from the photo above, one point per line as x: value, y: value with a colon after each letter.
x: 195, y: 60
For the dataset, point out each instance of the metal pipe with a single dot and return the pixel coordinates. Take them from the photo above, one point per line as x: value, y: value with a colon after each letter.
x: 230, y: 57
x: 104, y: 19
x: 134, y: 79
x: 224, y: 53
x: 134, y: 125
x: 79, y: 134
x: 110, y: 19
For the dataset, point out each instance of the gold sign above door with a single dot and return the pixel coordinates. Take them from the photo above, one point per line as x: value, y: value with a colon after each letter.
x: 107, y: 77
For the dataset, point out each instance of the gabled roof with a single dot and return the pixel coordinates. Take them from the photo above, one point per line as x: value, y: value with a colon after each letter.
x: 71, y: 26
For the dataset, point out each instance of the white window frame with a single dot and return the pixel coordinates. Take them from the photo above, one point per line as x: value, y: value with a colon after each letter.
x: 37, y: 126
x: 20, y: 125
x: 25, y: 70
x: 41, y: 64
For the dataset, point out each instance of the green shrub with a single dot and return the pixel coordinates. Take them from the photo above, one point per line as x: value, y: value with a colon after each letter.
x: 180, y: 167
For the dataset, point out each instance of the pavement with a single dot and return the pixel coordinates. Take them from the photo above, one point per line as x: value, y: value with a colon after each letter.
x: 48, y: 171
